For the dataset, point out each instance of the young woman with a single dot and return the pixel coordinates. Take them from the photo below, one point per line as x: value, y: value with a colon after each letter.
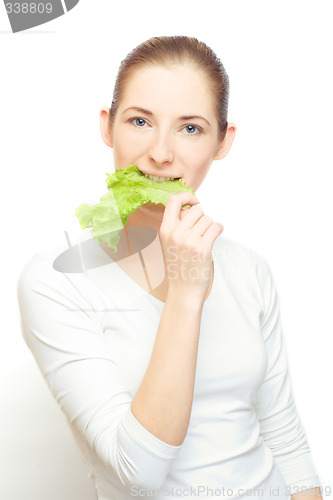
x: 169, y: 361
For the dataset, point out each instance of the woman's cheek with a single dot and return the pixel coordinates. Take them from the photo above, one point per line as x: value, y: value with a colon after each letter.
x: 199, y: 159
x: 134, y: 144
x: 193, y: 153
x: 124, y: 149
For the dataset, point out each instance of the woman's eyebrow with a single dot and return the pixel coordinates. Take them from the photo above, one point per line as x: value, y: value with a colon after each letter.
x: 193, y: 117
x: 140, y: 110
x: 147, y: 112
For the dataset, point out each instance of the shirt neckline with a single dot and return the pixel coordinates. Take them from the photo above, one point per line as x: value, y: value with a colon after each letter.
x: 145, y: 292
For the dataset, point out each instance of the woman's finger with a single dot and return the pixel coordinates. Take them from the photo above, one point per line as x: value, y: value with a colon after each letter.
x: 195, y: 213
x: 213, y: 231
x: 183, y: 212
x: 173, y: 207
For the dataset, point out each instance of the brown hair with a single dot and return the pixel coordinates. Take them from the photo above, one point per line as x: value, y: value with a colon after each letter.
x: 170, y: 51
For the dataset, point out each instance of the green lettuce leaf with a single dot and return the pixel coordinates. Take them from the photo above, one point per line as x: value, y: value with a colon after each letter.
x: 128, y: 189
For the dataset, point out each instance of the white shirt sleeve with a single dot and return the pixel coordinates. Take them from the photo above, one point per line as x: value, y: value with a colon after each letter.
x: 280, y: 423
x: 60, y: 326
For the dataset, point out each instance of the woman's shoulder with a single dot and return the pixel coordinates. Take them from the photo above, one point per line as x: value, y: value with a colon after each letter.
x: 235, y: 253
x: 243, y: 269
x: 39, y: 265
x: 66, y: 257
x: 51, y: 267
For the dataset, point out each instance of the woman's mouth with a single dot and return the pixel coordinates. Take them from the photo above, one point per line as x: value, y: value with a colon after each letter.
x: 159, y: 178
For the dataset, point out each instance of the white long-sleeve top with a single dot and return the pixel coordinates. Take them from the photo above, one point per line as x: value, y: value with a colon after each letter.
x: 91, y: 329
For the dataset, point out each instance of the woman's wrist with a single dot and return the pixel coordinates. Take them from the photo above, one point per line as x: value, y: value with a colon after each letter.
x: 185, y: 298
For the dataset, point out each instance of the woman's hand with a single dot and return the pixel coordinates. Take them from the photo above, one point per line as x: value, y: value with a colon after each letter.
x: 187, y: 237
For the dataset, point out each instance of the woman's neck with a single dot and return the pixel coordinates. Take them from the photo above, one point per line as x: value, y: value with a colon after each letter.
x: 149, y: 214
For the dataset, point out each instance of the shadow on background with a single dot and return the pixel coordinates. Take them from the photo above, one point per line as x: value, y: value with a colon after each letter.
x: 39, y: 458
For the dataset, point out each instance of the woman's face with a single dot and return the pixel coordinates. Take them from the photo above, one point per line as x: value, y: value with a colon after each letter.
x: 166, y: 124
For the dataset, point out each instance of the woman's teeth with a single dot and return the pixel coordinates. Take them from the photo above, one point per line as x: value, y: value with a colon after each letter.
x: 160, y: 179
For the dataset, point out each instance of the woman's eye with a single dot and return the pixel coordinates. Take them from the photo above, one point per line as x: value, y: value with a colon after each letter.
x: 192, y: 129
x: 138, y: 121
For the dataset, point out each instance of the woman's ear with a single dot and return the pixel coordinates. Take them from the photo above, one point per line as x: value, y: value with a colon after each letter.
x: 106, y: 129
x: 226, y: 143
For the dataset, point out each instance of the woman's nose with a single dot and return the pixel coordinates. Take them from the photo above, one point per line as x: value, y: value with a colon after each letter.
x: 161, y: 150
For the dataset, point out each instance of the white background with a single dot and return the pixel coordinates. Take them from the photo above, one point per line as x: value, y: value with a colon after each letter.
x: 273, y: 192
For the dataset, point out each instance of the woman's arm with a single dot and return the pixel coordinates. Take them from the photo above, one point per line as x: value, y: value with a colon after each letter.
x: 280, y: 424
x: 163, y: 402
x: 62, y: 324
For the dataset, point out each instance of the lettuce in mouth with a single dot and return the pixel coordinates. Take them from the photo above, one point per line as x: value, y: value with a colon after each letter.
x: 128, y: 189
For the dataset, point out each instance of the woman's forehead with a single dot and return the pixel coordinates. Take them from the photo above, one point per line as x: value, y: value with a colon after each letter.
x: 162, y: 87
x: 170, y: 74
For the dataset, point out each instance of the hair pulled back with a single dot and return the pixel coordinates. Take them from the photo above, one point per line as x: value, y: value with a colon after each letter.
x: 170, y: 51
